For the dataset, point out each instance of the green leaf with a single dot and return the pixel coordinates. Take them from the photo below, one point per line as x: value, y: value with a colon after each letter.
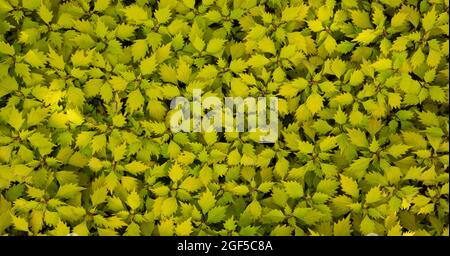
x: 215, y: 45
x: 265, y: 187
x: 338, y: 67
x: 168, y: 208
x: 429, y: 19
x: 358, y: 168
x: 135, y: 167
x: 267, y: 45
x: 367, y: 36
x: 68, y: 191
x: 101, y: 5
x: 55, y: 60
x: 184, y: 228
x: 343, y: 227
x: 349, y: 186
x: 417, y: 59
x: 217, y: 214
x: 45, y: 14
x: 189, y: 3
x: 327, y: 186
x: 305, y: 147
x: 398, y: 150
x: 42, y: 143
x: 35, y: 58
x: 163, y: 53
x: 437, y: 94
x: 139, y: 49
x: 399, y: 19
x: 428, y: 118
x: 191, y: 184
x: 328, y: 143
x: 198, y: 44
x: 361, y: 19
x: 357, y: 137
x: 119, y: 152
x: 414, y: 140
x: 98, y: 143
x: 340, y: 117
x: 8, y: 85
x: 273, y: 216
x: 382, y: 64
x: 15, y: 119
x: 133, y: 200
x: 136, y: 14
x: 135, y: 100
x: 291, y: 13
x: 309, y: 216
x: 20, y: 224
x: 86, y: 145
x: 206, y: 201
x: 367, y: 226
x: 99, y: 196
x: 257, y: 61
x: 6, y: 48
x: 293, y: 189
x: 315, y: 25
x: 314, y: 103
x: 163, y: 15
x: 374, y: 195
x: 148, y: 65
x: 330, y: 44
x: 176, y: 172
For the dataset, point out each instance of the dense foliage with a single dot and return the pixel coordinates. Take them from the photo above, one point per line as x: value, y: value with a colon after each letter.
x: 85, y: 88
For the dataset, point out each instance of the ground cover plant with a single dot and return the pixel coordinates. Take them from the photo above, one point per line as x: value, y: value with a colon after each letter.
x: 85, y: 144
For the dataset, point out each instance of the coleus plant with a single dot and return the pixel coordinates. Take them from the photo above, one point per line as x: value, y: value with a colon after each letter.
x: 362, y: 88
